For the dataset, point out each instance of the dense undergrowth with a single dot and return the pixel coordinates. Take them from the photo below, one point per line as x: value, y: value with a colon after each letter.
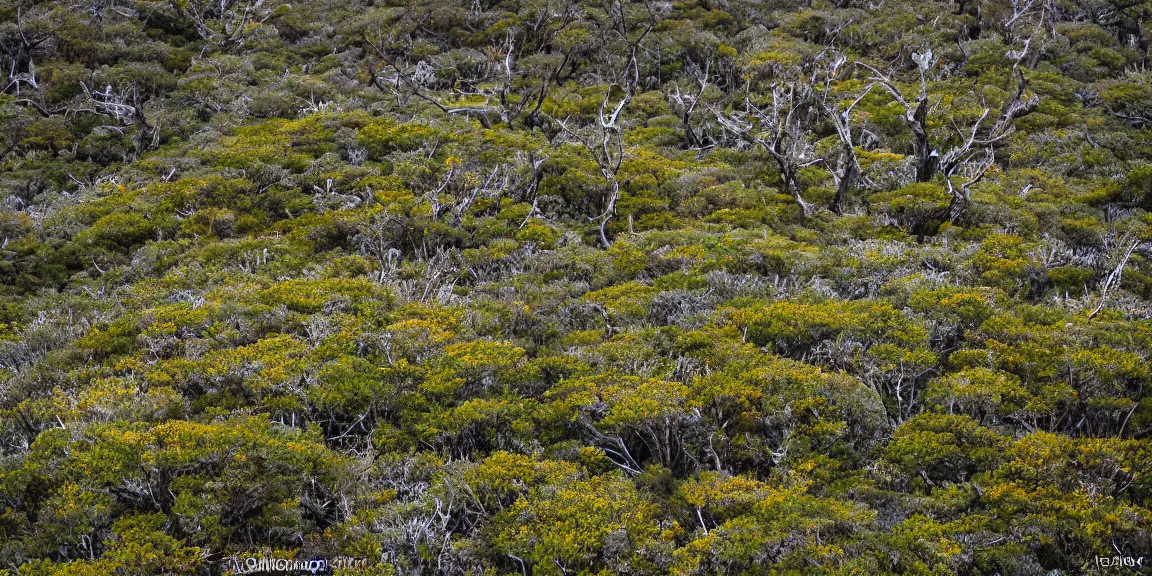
x: 575, y: 287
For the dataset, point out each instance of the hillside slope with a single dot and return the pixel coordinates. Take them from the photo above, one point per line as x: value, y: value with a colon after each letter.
x: 575, y: 286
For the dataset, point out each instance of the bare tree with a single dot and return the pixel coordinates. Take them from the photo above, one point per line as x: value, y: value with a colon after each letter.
x: 925, y: 158
x: 846, y: 173
x: 530, y: 171
x: 962, y: 196
x: 402, y: 84
x: 18, y: 45
x: 126, y: 107
x: 781, y: 132
x: 519, y: 93
x: 987, y: 138
x: 226, y: 23
x: 980, y: 136
x: 685, y: 104
x: 604, y: 141
x: 1123, y: 248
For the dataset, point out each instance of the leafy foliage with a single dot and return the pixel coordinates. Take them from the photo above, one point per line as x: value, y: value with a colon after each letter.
x: 575, y: 287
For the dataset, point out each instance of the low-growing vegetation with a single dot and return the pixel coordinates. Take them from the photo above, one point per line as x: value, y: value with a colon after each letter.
x: 561, y: 287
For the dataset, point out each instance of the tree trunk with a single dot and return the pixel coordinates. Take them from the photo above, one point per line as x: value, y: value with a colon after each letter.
x: 958, y: 207
x: 849, y: 179
x: 927, y: 159
x: 793, y: 186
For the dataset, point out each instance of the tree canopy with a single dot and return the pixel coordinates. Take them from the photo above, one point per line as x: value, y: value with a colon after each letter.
x: 562, y: 287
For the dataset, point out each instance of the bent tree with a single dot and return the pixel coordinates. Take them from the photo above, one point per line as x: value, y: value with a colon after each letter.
x: 982, y: 136
x: 779, y: 128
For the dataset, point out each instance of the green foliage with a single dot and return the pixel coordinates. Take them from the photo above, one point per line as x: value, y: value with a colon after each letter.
x: 585, y: 524
x: 931, y: 450
x: 561, y: 288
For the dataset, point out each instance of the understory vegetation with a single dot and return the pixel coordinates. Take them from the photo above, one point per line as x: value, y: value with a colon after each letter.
x: 561, y: 287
